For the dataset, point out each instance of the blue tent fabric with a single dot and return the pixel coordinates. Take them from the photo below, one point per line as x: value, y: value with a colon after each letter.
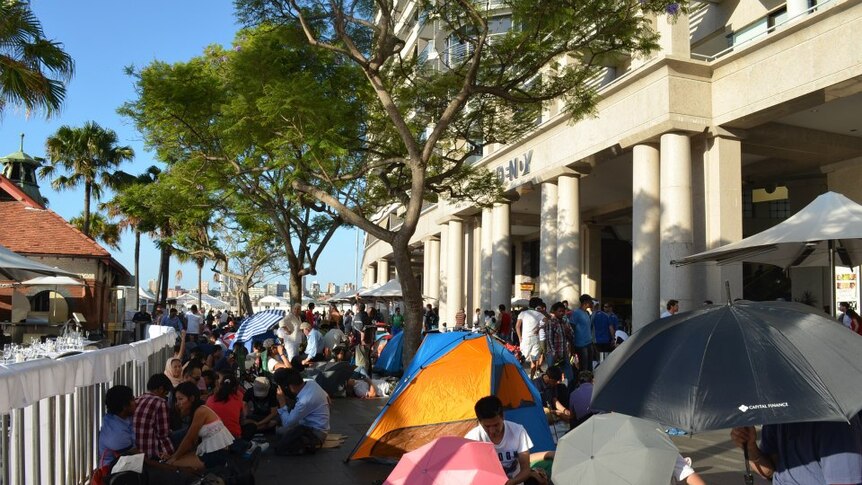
x: 436, y: 345
x: 389, y: 362
x: 258, y: 323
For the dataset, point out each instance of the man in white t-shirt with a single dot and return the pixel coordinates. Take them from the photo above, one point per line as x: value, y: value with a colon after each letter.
x: 527, y: 328
x: 510, y: 440
x: 193, y: 323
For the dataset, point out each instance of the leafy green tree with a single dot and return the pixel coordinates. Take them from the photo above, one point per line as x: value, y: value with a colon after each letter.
x: 131, y: 221
x: 484, y: 84
x: 33, y: 69
x: 219, y: 117
x: 101, y: 229
x: 88, y: 155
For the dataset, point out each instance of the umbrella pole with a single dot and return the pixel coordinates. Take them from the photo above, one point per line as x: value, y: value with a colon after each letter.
x: 832, y: 278
x: 748, y: 477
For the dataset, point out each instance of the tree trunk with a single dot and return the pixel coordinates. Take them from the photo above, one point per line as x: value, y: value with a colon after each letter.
x: 200, y: 285
x: 138, y: 267
x: 88, y: 188
x: 412, y: 294
x: 165, y: 267
x: 243, y: 299
x: 295, y: 288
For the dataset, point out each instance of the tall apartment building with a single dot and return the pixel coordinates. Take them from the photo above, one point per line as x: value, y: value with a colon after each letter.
x: 747, y: 112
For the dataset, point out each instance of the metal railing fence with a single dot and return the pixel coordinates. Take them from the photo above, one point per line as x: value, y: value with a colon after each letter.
x: 51, y: 410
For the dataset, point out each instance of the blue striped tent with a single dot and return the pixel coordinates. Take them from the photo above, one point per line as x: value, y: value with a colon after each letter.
x: 258, y: 323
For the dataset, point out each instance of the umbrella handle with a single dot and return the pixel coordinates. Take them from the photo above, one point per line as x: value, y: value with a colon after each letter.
x: 748, y: 477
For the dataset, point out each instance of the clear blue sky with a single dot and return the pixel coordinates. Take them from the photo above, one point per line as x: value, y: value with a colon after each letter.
x: 104, y: 36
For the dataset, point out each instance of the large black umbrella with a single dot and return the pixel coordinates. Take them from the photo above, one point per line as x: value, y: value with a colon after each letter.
x: 735, y: 365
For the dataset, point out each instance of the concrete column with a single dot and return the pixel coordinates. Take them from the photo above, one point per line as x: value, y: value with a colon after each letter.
x: 722, y: 172
x: 382, y: 271
x: 796, y: 8
x: 568, y: 239
x: 676, y: 223
x: 443, y: 270
x: 646, y: 210
x: 674, y: 32
x: 433, y: 246
x: 469, y: 302
x: 426, y: 263
x: 454, y: 272
x: 592, y: 244
x: 370, y: 275
x: 548, y: 243
x: 487, y: 249
x: 501, y: 257
x: 476, y: 285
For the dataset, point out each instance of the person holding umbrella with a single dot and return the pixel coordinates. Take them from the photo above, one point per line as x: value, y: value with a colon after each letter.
x: 804, y: 453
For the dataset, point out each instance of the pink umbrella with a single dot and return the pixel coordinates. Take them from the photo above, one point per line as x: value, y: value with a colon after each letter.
x: 449, y: 460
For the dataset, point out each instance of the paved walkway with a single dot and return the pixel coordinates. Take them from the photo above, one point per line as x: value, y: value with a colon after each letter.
x: 713, y: 455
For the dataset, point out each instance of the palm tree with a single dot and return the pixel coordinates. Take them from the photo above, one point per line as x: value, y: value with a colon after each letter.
x: 129, y: 220
x: 101, y: 229
x: 87, y: 154
x: 33, y: 70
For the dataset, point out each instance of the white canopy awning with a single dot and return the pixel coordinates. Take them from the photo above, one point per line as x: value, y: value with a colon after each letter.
x: 801, y: 240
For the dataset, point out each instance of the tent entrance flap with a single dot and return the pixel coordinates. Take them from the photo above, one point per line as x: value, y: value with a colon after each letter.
x: 399, y: 441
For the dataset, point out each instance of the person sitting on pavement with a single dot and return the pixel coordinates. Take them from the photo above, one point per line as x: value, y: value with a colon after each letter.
x: 117, y: 434
x: 554, y: 394
x: 261, y: 406
x: 314, y: 345
x: 579, y: 399
x: 333, y: 339
x: 805, y: 453
x: 510, y: 440
x: 174, y: 371
x: 305, y: 426
x: 227, y: 402
x: 206, y: 429
x: 152, y: 420
x: 365, y: 388
x: 277, y: 358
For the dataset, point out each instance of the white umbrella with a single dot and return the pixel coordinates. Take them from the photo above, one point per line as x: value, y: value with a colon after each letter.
x: 615, y: 448
x: 53, y: 281
x: 804, y: 239
x: 829, y: 227
x: 15, y: 267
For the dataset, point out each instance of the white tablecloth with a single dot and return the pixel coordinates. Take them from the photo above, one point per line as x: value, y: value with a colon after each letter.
x: 25, y: 383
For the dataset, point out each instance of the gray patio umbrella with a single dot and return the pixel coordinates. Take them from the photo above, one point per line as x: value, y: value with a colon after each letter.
x: 743, y: 364
x: 15, y: 267
x: 615, y: 449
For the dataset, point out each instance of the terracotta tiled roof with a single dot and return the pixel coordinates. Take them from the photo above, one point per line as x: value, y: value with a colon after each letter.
x: 27, y: 230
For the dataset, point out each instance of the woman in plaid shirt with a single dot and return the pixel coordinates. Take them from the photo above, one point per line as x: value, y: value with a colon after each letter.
x: 152, y: 434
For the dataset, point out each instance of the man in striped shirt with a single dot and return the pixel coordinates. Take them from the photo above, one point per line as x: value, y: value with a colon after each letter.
x: 152, y: 434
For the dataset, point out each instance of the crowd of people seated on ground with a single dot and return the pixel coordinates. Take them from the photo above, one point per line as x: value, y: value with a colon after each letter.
x: 213, y: 405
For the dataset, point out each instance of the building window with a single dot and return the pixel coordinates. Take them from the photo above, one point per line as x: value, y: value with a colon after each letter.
x: 779, y: 209
x: 41, y: 302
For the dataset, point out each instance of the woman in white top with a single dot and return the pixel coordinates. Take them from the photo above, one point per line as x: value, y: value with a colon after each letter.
x: 206, y: 431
